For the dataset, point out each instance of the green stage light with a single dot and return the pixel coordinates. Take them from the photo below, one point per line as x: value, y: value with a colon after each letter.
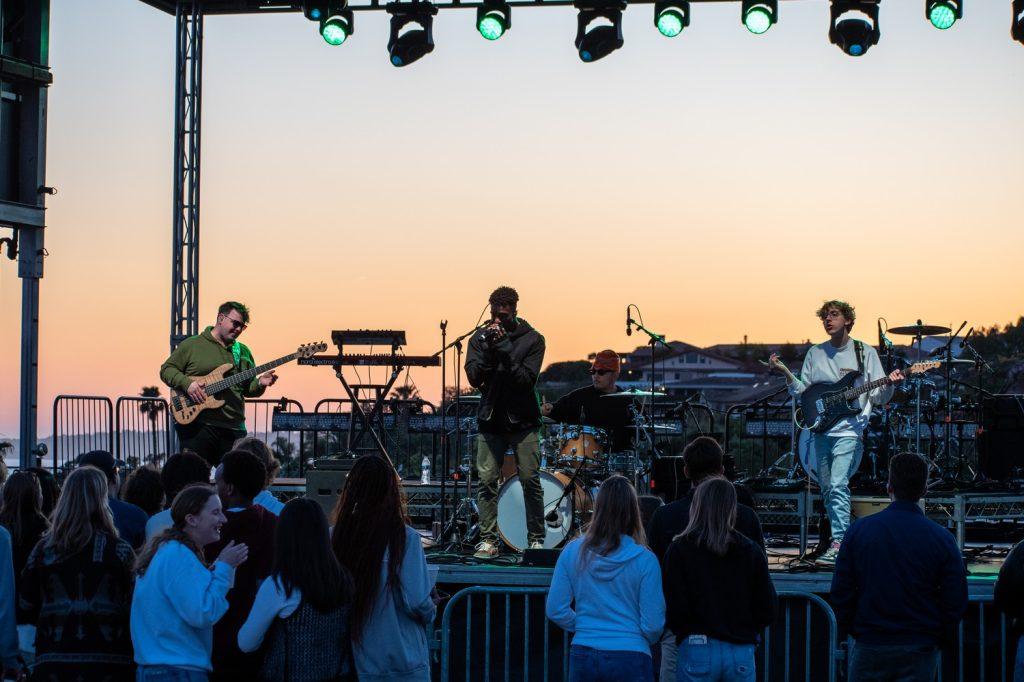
x: 759, y: 15
x: 491, y: 28
x: 670, y: 24
x: 334, y: 31
x: 943, y: 13
x: 671, y: 17
x: 493, y: 19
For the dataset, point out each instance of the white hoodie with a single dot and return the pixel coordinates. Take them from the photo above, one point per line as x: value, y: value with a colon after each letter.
x: 619, y: 602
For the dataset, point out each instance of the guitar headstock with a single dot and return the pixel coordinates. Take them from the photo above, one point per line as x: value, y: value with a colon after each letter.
x: 308, y: 350
x: 922, y: 367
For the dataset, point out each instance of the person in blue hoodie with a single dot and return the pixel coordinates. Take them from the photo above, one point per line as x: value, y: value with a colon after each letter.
x: 615, y: 582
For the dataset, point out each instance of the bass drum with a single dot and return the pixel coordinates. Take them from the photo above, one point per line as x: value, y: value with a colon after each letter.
x: 809, y: 463
x: 557, y: 526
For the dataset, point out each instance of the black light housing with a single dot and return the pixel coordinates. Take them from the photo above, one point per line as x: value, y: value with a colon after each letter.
x: 600, y: 41
x: 493, y: 19
x: 671, y: 17
x: 854, y: 25
x: 406, y: 47
x: 1017, y: 28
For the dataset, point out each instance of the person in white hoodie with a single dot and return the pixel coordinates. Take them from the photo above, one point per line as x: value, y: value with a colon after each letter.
x: 615, y: 582
x: 177, y: 596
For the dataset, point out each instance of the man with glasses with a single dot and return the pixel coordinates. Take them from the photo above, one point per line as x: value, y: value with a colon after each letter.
x: 586, y: 405
x: 503, y: 362
x: 215, y: 429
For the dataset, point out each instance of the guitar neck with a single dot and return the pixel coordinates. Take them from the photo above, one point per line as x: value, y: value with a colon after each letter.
x: 248, y: 375
x: 852, y: 393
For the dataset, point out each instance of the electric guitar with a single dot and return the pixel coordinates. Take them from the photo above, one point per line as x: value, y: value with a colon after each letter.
x: 823, y: 404
x: 185, y: 410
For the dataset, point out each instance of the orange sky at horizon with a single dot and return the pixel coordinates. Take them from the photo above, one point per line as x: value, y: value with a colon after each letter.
x: 724, y: 183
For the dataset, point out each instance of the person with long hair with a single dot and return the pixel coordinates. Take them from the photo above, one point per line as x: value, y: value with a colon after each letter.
x: 76, y: 587
x: 393, y: 598
x: 51, y: 491
x: 178, y: 597
x: 718, y: 592
x: 303, y: 604
x: 615, y: 582
x: 21, y: 514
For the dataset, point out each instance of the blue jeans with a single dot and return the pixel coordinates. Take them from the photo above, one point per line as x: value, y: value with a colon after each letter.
x: 884, y: 662
x: 703, y: 659
x: 595, y: 665
x: 1018, y: 666
x: 837, y: 460
x: 169, y: 673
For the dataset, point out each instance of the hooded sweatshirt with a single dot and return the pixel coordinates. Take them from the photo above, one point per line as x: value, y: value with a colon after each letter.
x: 619, y: 603
x: 506, y: 374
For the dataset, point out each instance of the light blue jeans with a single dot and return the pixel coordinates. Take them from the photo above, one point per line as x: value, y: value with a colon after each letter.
x: 703, y: 659
x: 836, y: 459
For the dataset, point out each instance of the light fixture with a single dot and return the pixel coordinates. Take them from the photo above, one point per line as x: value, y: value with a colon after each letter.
x: 334, y: 17
x: 407, y: 43
x: 759, y: 15
x: 854, y: 26
x: 596, y: 39
x: 1017, y: 27
x: 493, y: 18
x: 671, y: 17
x: 943, y: 13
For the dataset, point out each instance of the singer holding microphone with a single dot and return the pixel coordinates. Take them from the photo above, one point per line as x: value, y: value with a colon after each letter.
x: 503, y: 362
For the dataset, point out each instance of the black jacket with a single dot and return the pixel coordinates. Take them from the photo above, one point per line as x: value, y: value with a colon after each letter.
x: 506, y: 375
x: 671, y: 520
x: 730, y: 598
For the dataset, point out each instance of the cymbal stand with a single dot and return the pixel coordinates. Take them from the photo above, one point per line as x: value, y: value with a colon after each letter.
x: 947, y: 432
x: 655, y: 339
x: 917, y: 395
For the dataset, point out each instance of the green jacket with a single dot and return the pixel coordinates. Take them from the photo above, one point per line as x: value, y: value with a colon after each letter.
x: 201, y: 354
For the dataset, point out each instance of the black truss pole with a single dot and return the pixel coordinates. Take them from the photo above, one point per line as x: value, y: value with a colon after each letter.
x: 188, y: 86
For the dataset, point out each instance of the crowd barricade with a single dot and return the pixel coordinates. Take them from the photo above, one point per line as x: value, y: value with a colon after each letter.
x: 142, y: 431
x: 501, y: 633
x: 985, y: 645
x: 81, y: 423
x: 290, y: 446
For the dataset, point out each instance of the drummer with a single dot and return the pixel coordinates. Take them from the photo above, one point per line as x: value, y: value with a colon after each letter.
x: 585, y: 405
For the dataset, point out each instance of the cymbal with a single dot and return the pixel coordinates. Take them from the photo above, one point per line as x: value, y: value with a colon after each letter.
x: 923, y: 329
x: 634, y: 393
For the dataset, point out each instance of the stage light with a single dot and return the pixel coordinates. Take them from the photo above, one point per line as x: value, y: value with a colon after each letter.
x: 854, y: 26
x: 596, y: 42
x: 671, y: 17
x: 943, y: 13
x: 759, y: 15
x: 1017, y: 27
x: 493, y: 19
x: 406, y: 44
x: 314, y: 10
x: 337, y: 27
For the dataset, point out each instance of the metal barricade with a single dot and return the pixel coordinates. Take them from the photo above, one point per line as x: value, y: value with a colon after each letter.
x: 80, y: 423
x: 978, y: 655
x: 511, y: 617
x: 288, y: 446
x: 142, y: 431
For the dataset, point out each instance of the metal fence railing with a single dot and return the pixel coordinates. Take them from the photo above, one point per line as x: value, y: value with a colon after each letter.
x: 501, y: 633
x: 142, y: 431
x: 984, y: 647
x: 288, y: 446
x: 80, y: 423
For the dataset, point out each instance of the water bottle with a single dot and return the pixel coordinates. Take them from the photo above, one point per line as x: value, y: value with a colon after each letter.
x: 425, y: 470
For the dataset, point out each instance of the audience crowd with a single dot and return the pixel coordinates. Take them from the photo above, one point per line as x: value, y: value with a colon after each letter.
x: 183, y: 573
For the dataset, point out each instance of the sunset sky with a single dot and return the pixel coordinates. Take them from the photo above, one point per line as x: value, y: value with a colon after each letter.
x: 726, y: 183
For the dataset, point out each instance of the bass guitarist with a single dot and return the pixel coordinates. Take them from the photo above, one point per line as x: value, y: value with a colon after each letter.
x: 215, y: 430
x: 836, y: 450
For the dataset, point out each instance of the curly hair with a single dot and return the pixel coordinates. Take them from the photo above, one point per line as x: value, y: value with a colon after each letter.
x: 842, y: 306
x: 504, y: 296
x: 226, y: 308
x: 144, y: 489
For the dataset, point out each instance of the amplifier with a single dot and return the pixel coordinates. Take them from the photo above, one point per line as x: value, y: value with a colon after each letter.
x: 1001, y: 442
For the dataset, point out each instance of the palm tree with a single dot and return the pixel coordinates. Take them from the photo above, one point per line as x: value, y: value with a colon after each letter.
x: 152, y: 409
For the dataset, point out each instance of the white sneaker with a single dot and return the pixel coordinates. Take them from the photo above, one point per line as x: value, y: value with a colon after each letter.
x: 829, y: 555
x: 485, y: 550
x: 536, y: 545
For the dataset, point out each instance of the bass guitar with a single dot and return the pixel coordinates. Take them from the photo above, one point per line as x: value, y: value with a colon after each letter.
x: 185, y: 410
x: 823, y: 404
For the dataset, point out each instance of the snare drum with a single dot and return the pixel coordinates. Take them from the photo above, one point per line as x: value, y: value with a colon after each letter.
x: 582, y: 444
x: 557, y: 526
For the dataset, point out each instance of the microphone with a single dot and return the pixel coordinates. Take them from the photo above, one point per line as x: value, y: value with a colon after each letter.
x: 553, y: 518
x: 629, y: 323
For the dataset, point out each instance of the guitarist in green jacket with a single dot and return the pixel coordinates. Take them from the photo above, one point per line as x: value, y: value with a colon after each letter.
x: 215, y: 430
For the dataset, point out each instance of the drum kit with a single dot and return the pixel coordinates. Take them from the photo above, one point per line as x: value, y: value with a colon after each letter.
x: 575, y: 459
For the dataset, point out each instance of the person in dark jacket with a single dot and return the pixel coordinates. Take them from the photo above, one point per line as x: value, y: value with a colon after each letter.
x: 1009, y: 598
x: 129, y: 519
x: 503, y: 361
x: 718, y: 593
x: 239, y: 479
x: 899, y: 587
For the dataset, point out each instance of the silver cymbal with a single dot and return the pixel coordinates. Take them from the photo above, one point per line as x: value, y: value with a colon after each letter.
x: 635, y: 393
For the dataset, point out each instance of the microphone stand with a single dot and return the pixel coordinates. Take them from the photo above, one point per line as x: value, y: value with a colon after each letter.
x: 947, y: 435
x: 655, y: 339
x: 445, y: 463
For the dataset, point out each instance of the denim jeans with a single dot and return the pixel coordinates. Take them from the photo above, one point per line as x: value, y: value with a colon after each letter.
x: 703, y: 659
x: 884, y: 662
x: 837, y: 459
x: 490, y: 454
x: 1018, y: 666
x: 169, y: 673
x: 597, y: 665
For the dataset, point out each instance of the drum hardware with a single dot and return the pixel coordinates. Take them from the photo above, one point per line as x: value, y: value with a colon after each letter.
x: 919, y: 329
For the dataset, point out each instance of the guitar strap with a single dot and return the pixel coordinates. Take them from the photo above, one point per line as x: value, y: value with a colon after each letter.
x: 858, y: 348
x: 236, y: 353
